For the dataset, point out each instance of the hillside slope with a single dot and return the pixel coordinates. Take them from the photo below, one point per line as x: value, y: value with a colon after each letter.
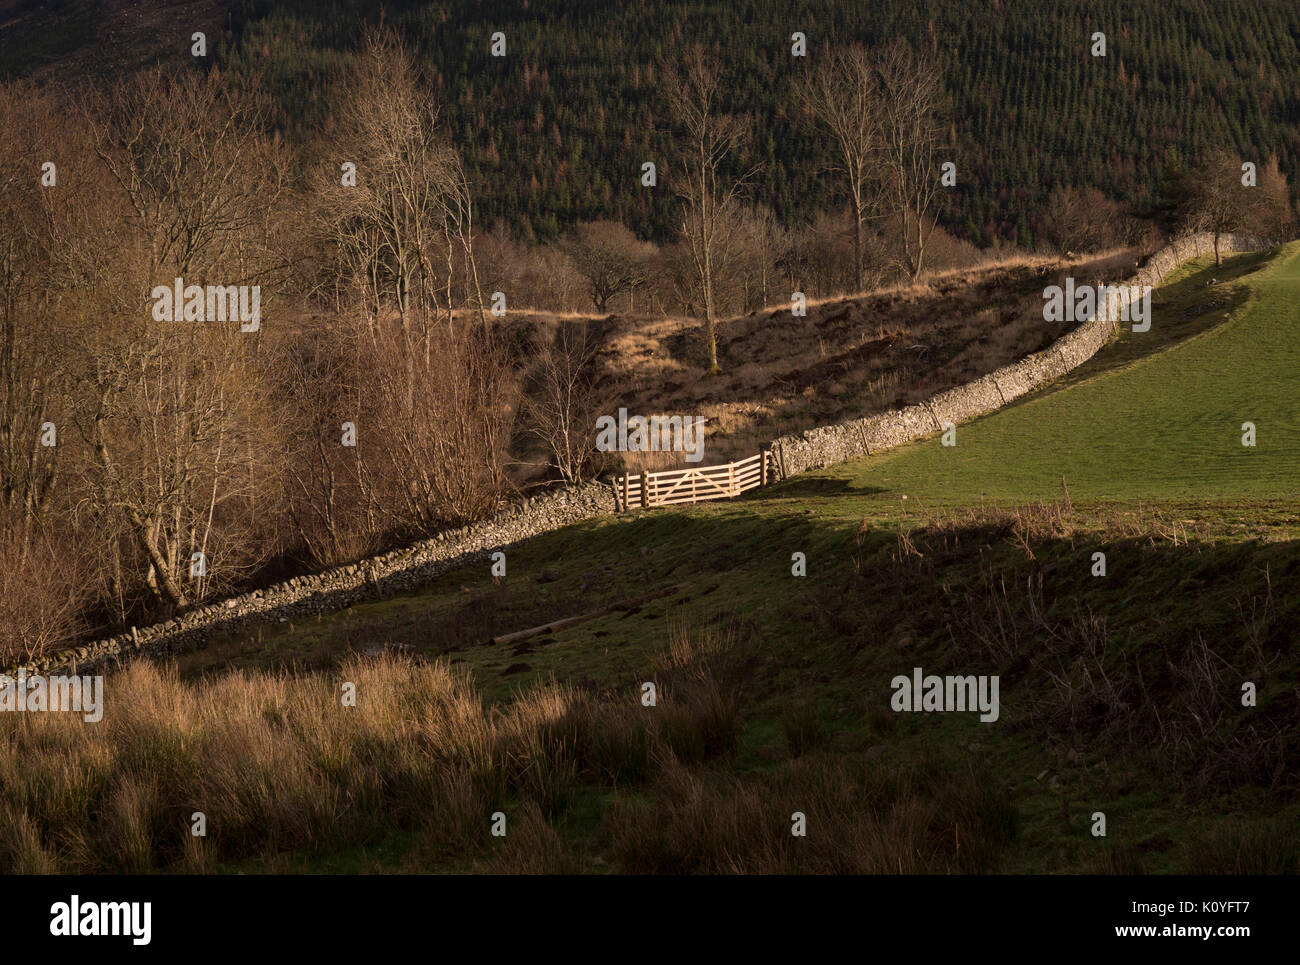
x: 1120, y: 694
x: 556, y: 131
x: 847, y: 357
x: 1165, y: 425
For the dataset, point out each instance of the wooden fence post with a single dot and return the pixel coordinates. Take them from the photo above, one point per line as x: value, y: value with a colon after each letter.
x: 645, y: 489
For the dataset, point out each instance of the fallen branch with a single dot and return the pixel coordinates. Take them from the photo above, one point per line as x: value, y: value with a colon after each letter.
x: 567, y: 622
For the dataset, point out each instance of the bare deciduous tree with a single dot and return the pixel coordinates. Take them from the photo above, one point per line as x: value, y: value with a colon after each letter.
x: 439, y: 398
x: 566, y: 400
x: 30, y: 380
x: 1084, y: 219
x: 43, y: 578
x: 762, y: 244
x: 910, y: 92
x: 403, y: 232
x: 1219, y: 202
x: 1275, y: 216
x: 842, y: 94
x: 175, y: 417
x: 711, y: 199
x: 611, y: 258
x: 440, y: 440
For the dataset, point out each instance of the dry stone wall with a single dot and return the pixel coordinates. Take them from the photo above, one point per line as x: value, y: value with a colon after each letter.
x: 414, y: 565
x: 335, y: 589
x: 827, y: 445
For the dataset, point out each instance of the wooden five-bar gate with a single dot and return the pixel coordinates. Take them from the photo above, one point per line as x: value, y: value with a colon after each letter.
x: 675, y: 486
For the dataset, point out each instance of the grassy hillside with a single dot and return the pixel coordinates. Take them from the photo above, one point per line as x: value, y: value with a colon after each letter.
x: 1164, y: 425
x: 1120, y: 693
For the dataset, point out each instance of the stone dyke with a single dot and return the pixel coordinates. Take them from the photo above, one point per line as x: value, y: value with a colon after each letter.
x: 411, y: 566
x: 828, y: 445
x: 402, y: 569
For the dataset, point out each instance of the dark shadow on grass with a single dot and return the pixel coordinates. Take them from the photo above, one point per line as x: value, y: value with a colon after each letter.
x: 804, y: 487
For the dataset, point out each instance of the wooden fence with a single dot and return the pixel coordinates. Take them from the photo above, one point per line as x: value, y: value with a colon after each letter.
x: 675, y: 486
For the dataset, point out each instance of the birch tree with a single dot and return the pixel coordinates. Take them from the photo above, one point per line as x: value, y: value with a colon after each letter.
x: 708, y: 137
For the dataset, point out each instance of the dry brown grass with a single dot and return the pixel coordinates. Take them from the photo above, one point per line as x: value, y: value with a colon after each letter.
x: 282, y: 770
x: 276, y: 763
x: 861, y: 819
x: 849, y: 356
x: 639, y: 462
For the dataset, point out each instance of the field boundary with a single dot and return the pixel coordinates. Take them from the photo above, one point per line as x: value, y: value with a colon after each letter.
x: 408, y: 567
x: 827, y: 445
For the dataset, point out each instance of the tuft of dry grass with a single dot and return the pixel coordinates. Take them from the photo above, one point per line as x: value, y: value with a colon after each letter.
x: 859, y: 818
x: 278, y: 762
x: 532, y: 846
x: 1248, y: 848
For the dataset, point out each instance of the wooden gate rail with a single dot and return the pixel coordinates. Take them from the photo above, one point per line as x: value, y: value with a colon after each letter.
x: 691, y: 485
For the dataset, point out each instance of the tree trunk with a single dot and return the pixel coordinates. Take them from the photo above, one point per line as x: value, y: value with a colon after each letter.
x: 857, y: 250
x: 714, y: 367
x: 166, y: 585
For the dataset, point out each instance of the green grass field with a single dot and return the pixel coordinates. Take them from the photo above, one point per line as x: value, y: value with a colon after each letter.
x: 1120, y: 693
x: 1161, y: 425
